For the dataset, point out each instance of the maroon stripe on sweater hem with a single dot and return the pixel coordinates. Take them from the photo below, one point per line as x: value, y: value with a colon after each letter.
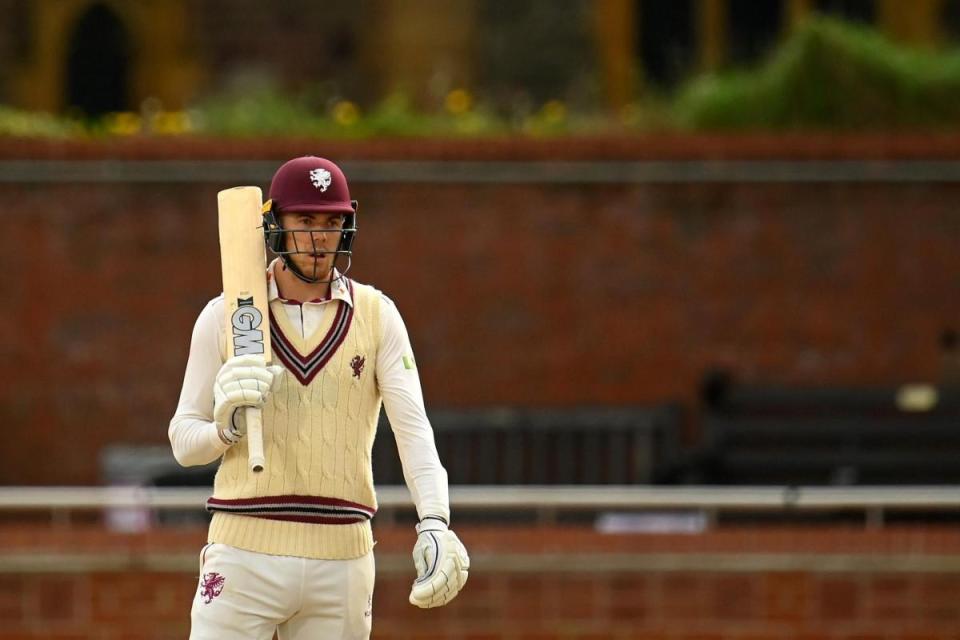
x: 307, y: 519
x: 319, y: 501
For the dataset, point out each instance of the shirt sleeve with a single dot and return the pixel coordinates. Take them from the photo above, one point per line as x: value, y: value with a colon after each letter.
x: 193, y: 432
x: 399, y: 385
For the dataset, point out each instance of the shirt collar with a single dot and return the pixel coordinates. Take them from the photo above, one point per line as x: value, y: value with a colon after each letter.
x: 338, y: 288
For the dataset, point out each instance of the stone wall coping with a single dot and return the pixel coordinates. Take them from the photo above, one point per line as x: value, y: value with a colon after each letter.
x: 673, y: 146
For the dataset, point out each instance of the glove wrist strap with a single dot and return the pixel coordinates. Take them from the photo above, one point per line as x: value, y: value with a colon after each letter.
x: 231, y: 434
x: 432, y: 523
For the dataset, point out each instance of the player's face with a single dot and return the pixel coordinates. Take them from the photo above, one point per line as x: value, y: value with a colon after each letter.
x: 316, y: 237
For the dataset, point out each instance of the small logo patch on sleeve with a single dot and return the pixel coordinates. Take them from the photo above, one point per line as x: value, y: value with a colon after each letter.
x: 408, y: 363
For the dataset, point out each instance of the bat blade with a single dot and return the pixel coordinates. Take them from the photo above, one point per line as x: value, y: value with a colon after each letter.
x: 244, y: 262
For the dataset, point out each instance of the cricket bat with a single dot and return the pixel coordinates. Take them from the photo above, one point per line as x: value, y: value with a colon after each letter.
x: 247, y: 312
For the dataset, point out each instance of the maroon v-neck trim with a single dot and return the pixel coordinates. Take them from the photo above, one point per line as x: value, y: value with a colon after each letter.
x: 306, y: 367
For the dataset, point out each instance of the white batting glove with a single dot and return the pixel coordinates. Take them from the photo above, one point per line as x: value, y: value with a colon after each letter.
x: 243, y: 381
x: 442, y: 565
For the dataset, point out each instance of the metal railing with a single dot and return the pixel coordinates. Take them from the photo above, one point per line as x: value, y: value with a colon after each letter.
x: 545, y: 501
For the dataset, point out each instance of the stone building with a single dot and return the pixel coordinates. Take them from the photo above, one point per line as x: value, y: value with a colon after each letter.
x: 97, y: 56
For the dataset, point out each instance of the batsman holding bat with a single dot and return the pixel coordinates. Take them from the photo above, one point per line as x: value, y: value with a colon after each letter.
x: 290, y: 548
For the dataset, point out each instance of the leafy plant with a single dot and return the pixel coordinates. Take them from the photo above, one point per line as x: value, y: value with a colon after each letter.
x: 827, y: 75
x: 830, y: 75
x: 33, y: 124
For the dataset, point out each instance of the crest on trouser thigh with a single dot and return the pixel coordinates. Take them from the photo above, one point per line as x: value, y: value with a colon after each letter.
x: 211, y: 586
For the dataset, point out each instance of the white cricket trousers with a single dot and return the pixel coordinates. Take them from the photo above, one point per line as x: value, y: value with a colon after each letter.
x: 243, y: 595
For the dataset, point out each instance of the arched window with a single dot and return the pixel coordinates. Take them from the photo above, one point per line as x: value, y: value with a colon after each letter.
x: 753, y: 28
x: 667, y: 40
x: 950, y: 18
x: 98, y: 58
x: 533, y: 47
x: 854, y: 10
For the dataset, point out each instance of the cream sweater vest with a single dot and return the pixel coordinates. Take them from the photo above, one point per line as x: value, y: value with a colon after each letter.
x: 316, y: 497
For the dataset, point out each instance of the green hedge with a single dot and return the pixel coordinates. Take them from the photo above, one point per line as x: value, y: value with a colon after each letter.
x: 826, y: 75
x: 830, y: 75
x: 30, y: 124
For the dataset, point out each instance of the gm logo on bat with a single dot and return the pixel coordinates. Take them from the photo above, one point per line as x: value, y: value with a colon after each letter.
x: 246, y: 321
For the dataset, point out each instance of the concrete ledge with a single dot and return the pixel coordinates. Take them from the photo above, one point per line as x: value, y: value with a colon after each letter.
x: 105, y: 171
x: 624, y: 146
x: 553, y: 563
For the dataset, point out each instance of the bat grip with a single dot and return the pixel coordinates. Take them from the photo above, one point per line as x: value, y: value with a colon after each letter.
x: 255, y: 439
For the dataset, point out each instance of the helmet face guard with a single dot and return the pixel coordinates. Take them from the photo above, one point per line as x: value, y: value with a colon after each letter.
x: 276, y: 237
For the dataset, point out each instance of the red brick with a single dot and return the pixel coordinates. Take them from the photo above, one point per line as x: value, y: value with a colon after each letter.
x: 939, y: 598
x: 681, y: 597
x: 839, y: 598
x: 628, y: 598
x: 128, y: 598
x: 56, y: 599
x: 623, y: 605
x: 735, y: 597
x: 11, y: 599
x: 787, y: 596
x: 570, y: 598
x: 743, y: 254
x: 480, y: 609
x: 525, y: 597
x: 891, y: 597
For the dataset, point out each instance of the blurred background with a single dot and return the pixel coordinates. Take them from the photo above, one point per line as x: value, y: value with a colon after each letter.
x: 680, y: 275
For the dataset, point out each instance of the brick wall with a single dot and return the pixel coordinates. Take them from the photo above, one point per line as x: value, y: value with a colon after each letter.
x: 738, y: 584
x: 532, y: 295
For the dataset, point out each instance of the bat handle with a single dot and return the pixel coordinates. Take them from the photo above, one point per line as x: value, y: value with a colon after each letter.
x: 255, y: 439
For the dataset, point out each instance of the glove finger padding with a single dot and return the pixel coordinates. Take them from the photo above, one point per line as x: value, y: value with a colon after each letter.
x: 442, y: 568
x: 424, y: 556
x: 277, y: 371
x: 243, y: 381
x: 246, y: 368
x: 248, y: 392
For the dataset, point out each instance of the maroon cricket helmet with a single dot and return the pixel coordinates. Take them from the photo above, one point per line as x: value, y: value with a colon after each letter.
x: 310, y: 184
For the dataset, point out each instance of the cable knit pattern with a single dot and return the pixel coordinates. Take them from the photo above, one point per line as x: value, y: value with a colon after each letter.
x: 318, y: 439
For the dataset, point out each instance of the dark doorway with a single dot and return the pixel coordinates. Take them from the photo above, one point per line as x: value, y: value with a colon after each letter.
x: 853, y: 10
x: 950, y: 19
x: 667, y: 40
x: 98, y: 58
x: 753, y: 28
